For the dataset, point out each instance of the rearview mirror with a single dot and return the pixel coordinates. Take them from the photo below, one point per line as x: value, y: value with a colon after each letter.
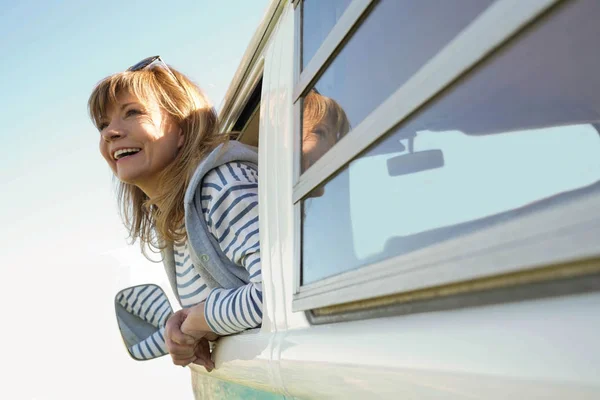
x: 413, y: 162
x: 142, y: 312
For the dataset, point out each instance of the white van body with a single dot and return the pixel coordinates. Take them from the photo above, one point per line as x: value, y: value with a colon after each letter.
x: 517, y: 319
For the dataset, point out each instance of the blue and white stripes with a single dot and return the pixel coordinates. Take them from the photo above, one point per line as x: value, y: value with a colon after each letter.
x: 149, y: 303
x: 190, y: 285
x: 230, y: 208
x: 151, y: 347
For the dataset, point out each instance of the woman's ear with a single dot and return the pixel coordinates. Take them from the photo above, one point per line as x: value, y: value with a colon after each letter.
x: 181, y: 138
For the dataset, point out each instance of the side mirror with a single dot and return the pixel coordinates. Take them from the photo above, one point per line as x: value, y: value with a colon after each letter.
x: 142, y: 312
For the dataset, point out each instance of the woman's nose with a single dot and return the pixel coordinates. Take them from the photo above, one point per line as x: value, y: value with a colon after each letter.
x: 112, y: 134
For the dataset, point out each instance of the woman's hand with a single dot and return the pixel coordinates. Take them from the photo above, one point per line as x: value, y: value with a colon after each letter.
x: 195, y: 324
x: 203, y: 355
x: 181, y: 347
x: 185, y: 349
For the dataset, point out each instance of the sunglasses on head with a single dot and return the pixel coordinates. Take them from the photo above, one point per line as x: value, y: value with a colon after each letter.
x: 148, y: 61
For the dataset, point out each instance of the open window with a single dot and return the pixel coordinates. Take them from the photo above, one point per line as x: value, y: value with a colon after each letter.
x: 247, y: 125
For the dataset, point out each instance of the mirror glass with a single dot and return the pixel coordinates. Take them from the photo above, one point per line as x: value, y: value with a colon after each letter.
x: 142, y: 312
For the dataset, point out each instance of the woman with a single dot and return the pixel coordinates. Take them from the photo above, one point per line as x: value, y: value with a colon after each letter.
x: 188, y: 192
x: 324, y: 123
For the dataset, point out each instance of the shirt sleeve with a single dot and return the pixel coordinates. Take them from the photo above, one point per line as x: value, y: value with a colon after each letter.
x: 146, y: 302
x: 151, y: 347
x: 230, y: 208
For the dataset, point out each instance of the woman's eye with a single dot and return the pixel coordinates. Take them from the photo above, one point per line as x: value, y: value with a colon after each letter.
x: 321, y: 133
x: 132, y: 111
x: 102, y: 126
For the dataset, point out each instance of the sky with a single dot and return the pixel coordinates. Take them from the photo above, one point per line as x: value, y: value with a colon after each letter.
x: 64, y: 249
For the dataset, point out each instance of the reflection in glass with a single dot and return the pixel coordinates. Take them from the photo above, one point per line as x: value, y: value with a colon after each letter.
x: 318, y: 18
x: 324, y: 123
x: 142, y: 312
x: 518, y: 134
x: 395, y: 40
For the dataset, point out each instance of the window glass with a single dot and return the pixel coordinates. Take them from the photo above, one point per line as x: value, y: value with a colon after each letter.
x: 518, y: 134
x: 394, y: 41
x: 318, y: 18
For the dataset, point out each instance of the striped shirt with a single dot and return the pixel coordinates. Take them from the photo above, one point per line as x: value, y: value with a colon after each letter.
x: 150, y: 304
x: 230, y: 208
x: 190, y: 285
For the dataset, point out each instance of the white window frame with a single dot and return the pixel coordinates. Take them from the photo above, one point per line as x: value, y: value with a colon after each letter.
x: 541, y: 239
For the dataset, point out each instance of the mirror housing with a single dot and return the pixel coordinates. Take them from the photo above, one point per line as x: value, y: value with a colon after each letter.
x: 413, y: 162
x: 142, y: 312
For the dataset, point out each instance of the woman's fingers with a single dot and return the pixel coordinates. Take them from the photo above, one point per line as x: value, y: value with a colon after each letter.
x: 181, y: 338
x: 179, y: 350
x: 173, y: 329
x: 184, y: 349
x: 181, y: 347
x: 182, y: 361
x: 203, y: 356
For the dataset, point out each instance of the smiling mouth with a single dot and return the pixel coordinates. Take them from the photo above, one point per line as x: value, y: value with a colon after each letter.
x: 125, y: 153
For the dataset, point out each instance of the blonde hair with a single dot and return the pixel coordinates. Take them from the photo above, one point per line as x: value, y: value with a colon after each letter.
x: 323, y: 114
x: 158, y: 221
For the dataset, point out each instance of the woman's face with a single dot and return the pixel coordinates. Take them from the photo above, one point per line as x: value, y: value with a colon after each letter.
x: 138, y: 140
x: 316, y: 142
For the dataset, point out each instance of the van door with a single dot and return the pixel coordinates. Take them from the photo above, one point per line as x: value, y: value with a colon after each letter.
x: 444, y: 244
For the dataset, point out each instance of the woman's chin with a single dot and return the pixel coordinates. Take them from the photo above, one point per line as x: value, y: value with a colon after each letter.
x: 317, y: 192
x: 127, y: 177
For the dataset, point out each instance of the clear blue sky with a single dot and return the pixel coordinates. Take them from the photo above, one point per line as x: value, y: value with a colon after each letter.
x: 64, y: 250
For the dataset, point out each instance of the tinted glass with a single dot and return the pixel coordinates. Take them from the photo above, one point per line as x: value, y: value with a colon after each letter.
x: 516, y: 135
x: 394, y: 41
x: 319, y: 17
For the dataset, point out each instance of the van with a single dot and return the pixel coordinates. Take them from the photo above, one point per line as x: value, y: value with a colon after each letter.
x: 442, y: 238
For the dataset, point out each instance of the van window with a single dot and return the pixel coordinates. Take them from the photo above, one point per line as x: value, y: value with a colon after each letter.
x: 517, y: 134
x: 382, y: 55
x: 318, y: 18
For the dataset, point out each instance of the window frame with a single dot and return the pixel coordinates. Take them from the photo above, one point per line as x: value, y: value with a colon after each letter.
x: 338, y: 35
x: 539, y: 240
x: 518, y: 245
x: 246, y: 91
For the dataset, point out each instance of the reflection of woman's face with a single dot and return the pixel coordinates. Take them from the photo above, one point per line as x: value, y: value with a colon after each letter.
x: 316, y: 142
x: 324, y: 122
